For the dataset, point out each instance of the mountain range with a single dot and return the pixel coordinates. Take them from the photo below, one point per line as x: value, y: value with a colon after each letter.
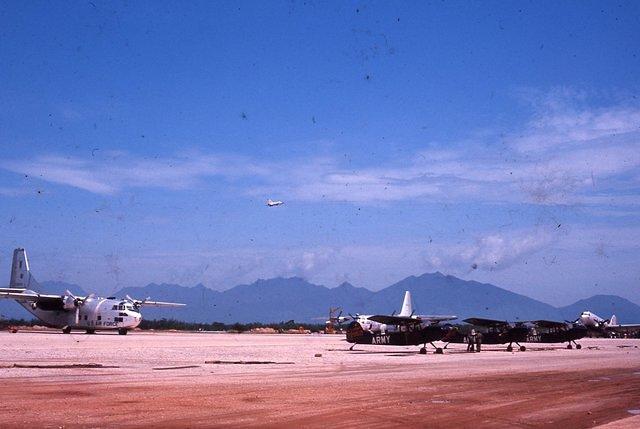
x: 282, y: 299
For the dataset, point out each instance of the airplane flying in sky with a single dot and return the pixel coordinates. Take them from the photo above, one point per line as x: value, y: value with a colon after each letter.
x: 67, y: 311
x: 404, y: 329
x: 597, y: 324
x: 274, y: 203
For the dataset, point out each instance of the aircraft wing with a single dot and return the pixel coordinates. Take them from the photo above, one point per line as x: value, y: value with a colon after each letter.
x: 8, y: 293
x: 11, y: 289
x: 436, y: 318
x: 549, y: 324
x: 395, y: 320
x: 623, y: 328
x: 146, y: 303
x: 486, y: 322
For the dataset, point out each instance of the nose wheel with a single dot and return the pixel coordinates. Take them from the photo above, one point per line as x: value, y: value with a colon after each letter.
x: 122, y: 331
x: 423, y: 351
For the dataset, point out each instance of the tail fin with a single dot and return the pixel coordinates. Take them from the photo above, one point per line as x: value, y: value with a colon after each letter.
x: 613, y: 321
x: 21, y: 277
x: 407, y: 307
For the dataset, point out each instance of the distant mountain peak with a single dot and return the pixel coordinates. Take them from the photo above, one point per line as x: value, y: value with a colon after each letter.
x: 436, y: 274
x: 346, y: 285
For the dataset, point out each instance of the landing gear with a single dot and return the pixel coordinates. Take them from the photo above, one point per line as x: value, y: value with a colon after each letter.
x: 91, y: 331
x: 423, y: 351
x: 352, y: 346
x: 439, y: 351
x: 66, y: 330
x: 578, y: 346
x: 569, y: 346
x: 510, y: 347
x: 122, y: 331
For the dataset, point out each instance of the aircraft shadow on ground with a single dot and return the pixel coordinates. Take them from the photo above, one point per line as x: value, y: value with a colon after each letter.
x: 446, y: 351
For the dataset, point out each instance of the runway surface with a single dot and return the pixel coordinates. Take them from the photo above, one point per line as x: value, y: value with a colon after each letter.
x: 163, y: 380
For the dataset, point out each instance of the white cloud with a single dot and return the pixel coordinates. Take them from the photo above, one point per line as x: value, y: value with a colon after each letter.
x: 111, y: 172
x: 492, y: 251
x: 565, y: 155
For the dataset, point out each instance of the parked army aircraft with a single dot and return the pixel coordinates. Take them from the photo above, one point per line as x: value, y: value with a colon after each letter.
x: 272, y: 203
x: 549, y: 331
x: 501, y: 332
x: 537, y: 331
x: 404, y: 329
x: 90, y: 313
x: 598, y: 325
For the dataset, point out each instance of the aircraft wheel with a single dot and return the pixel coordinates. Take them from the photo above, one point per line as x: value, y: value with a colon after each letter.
x: 91, y: 331
x: 66, y: 330
x: 439, y: 351
x: 578, y: 346
x: 569, y: 346
x: 509, y: 348
x: 423, y: 351
x: 122, y: 331
x: 522, y: 348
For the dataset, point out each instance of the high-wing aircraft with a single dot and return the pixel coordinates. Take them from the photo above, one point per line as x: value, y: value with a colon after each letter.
x: 597, y: 324
x: 500, y: 332
x: 67, y: 311
x: 549, y: 331
x: 272, y: 203
x: 404, y: 329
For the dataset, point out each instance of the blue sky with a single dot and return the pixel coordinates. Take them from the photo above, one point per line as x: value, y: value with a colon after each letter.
x: 496, y: 142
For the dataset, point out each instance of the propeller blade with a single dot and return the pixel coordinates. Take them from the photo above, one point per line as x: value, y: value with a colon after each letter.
x: 77, y: 315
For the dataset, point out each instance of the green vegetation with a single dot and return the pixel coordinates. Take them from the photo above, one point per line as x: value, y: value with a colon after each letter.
x: 179, y: 325
x: 5, y: 323
x: 165, y: 324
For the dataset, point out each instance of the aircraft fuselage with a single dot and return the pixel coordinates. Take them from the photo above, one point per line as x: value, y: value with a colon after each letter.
x: 94, y: 314
x: 404, y: 336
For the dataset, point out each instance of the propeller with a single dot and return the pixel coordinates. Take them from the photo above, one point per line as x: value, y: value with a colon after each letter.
x: 70, y: 299
x: 136, y: 303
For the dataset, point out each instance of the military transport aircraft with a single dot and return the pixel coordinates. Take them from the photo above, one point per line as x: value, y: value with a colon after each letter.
x: 549, y: 331
x: 598, y: 325
x: 404, y: 329
x: 272, y: 203
x: 500, y: 332
x: 67, y: 311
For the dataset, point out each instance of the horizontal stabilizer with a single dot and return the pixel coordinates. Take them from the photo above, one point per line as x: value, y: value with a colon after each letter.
x: 395, y: 320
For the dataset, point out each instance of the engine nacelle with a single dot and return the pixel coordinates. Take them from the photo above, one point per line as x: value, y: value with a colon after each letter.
x: 68, y: 302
